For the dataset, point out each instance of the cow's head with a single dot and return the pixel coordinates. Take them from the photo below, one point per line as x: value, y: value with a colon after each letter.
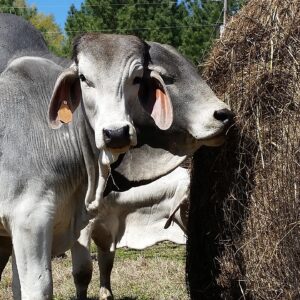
x: 200, y: 118
x: 106, y: 76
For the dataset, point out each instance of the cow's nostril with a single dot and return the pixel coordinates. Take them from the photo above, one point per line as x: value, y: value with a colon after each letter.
x: 126, y: 130
x: 107, y: 134
x: 117, y: 138
x: 224, y: 115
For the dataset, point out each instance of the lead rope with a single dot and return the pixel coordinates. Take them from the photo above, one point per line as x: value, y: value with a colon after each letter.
x: 112, y: 178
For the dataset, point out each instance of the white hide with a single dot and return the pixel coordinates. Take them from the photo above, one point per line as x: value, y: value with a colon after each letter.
x: 136, y: 218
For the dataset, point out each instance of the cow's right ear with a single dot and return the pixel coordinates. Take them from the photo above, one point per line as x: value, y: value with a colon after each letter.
x: 155, y: 99
x: 65, y: 98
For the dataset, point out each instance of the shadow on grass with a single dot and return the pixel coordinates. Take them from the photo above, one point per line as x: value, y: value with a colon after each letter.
x: 95, y: 298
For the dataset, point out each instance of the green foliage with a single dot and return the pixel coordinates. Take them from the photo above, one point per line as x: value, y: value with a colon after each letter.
x: 17, y: 7
x: 189, y: 25
x: 151, y: 20
x: 50, y: 30
x: 164, y: 250
x: 201, y: 26
x: 235, y: 5
x: 92, y: 16
x: 133, y: 18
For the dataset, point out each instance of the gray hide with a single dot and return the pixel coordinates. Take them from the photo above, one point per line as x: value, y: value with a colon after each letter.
x: 20, y: 38
x: 199, y: 119
x: 50, y: 177
x: 42, y: 172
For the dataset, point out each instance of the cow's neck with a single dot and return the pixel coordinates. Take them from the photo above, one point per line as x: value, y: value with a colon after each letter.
x: 96, y: 172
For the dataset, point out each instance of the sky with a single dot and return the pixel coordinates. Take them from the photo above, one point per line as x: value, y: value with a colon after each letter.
x: 59, y: 9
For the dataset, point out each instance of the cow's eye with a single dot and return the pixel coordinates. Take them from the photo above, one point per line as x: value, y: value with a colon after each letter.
x: 168, y: 79
x: 82, y: 78
x: 86, y: 81
x: 137, y: 80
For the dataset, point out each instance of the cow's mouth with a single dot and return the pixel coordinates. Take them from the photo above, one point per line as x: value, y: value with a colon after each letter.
x: 106, y: 157
x: 119, y: 140
x: 215, y: 141
x: 117, y: 151
x: 218, y: 138
x: 109, y: 155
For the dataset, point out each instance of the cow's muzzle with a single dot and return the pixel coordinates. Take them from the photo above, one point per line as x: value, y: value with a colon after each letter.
x: 117, y: 138
x: 225, y: 116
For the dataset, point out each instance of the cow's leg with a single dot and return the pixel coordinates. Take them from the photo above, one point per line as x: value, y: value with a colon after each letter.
x: 105, y: 263
x: 16, y: 287
x: 5, y: 252
x: 32, y: 242
x: 82, y: 263
x: 103, y: 236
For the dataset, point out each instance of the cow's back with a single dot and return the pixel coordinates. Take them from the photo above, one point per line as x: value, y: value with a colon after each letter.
x: 19, y: 38
x: 18, y: 35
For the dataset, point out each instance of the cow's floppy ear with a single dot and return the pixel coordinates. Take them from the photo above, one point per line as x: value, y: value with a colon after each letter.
x: 155, y: 99
x: 65, y: 98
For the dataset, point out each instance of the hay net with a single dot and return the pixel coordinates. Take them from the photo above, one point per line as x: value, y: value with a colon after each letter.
x: 255, y: 68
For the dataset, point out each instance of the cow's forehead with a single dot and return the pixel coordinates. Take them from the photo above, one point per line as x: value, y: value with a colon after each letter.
x: 171, y: 60
x: 109, y: 48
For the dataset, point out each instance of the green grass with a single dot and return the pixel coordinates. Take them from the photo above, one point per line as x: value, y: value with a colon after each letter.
x: 156, y: 273
x: 162, y: 250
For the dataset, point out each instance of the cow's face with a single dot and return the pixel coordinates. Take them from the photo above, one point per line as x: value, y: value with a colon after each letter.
x: 200, y: 118
x: 105, y: 76
x: 106, y: 68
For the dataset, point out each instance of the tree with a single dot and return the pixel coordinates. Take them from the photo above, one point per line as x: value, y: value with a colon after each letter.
x: 17, y: 7
x: 190, y: 25
x: 50, y: 30
x: 152, y: 20
x: 92, y: 16
x: 200, y: 28
x: 235, y: 5
x: 202, y: 25
x: 132, y: 18
x: 148, y: 19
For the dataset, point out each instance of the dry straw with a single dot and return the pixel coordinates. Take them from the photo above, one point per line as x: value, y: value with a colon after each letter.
x: 244, y: 239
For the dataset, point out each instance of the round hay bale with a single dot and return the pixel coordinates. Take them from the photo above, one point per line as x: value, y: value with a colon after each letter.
x: 244, y: 221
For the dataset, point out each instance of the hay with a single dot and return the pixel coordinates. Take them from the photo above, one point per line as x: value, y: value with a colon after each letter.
x: 250, y: 215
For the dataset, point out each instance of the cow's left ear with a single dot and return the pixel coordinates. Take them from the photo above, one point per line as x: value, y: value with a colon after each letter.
x: 65, y: 98
x: 155, y: 99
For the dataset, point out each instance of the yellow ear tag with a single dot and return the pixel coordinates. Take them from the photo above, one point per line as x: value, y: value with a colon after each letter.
x: 65, y: 113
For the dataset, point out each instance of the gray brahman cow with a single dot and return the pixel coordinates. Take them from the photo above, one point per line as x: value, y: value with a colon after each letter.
x: 129, y: 92
x: 50, y: 179
x: 199, y: 118
x: 137, y: 218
